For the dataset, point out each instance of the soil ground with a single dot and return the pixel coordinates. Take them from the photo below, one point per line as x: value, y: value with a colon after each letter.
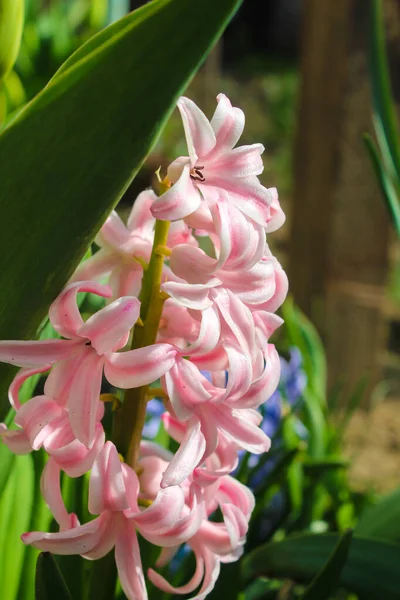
x: 373, y: 445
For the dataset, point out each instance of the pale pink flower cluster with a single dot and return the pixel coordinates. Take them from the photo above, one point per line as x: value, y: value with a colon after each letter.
x: 212, y: 355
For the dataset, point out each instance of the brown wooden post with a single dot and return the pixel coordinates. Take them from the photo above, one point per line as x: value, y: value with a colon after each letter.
x: 339, y: 236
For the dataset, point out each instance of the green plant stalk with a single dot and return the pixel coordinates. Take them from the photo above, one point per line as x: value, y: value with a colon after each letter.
x: 129, y: 419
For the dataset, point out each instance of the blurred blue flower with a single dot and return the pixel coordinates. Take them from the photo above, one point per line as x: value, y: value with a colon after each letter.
x: 154, y: 410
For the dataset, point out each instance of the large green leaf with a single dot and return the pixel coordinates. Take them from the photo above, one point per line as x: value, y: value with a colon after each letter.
x: 327, y: 580
x: 372, y: 569
x: 382, y: 520
x: 69, y: 156
x: 50, y: 583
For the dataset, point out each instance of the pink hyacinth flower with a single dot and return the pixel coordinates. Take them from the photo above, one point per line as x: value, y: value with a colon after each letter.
x: 113, y: 495
x: 124, y: 248
x: 42, y: 422
x: 78, y: 362
x: 214, y: 164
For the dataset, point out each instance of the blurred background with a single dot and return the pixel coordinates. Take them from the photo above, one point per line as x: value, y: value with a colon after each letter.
x: 299, y: 70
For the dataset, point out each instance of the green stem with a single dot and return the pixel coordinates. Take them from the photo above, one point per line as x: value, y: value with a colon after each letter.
x: 129, y: 419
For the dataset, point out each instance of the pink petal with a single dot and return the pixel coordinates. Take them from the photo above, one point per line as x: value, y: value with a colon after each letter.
x: 193, y: 296
x: 263, y: 387
x: 106, y: 327
x: 61, y: 378
x: 209, y: 333
x: 141, y: 221
x: 34, y: 415
x: 281, y: 289
x: 277, y: 217
x: 227, y: 123
x: 160, y: 582
x: 107, y: 488
x: 74, y: 458
x: 64, y: 312
x: 242, y: 162
x: 79, y: 540
x: 139, y: 367
x: 163, y: 513
x: 192, y: 264
x: 200, y: 137
x: 126, y: 279
x: 19, y: 380
x: 101, y: 263
x: 212, y: 567
x: 84, y: 395
x: 242, y: 242
x: 237, y: 324
x: 244, y: 433
x: 186, y: 458
x: 247, y: 194
x: 129, y: 564
x: 16, y: 440
x: 114, y: 233
x: 185, y: 388
x: 36, y: 353
x: 179, y: 201
x: 51, y: 491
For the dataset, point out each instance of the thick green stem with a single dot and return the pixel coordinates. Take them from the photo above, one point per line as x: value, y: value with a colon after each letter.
x: 129, y: 419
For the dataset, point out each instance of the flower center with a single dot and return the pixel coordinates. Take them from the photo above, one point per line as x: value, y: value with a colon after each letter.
x: 196, y: 174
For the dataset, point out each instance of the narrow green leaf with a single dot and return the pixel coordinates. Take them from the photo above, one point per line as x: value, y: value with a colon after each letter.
x: 371, y: 570
x: 328, y: 578
x: 388, y: 188
x: 384, y: 108
x: 80, y: 142
x: 49, y: 583
x: 11, y: 26
x: 6, y: 465
x: 382, y: 521
x: 16, y: 507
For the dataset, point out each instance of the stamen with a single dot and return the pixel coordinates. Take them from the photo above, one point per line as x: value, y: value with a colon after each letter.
x: 196, y: 174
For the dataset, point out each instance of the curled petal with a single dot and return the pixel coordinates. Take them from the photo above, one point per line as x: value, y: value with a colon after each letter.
x: 163, y: 513
x: 106, y: 327
x: 83, y: 397
x: 16, y: 440
x: 34, y: 415
x: 139, y: 367
x: 241, y: 430
x: 242, y: 162
x: 114, y: 233
x: 186, y: 458
x: 160, y: 582
x: 17, y: 382
x: 193, y: 296
x: 64, y: 312
x: 51, y: 491
x: 101, y: 263
x: 277, y: 217
x: 247, y: 194
x: 107, y: 487
x: 263, y: 387
x: 237, y: 319
x: 227, y: 123
x: 209, y: 334
x: 36, y: 353
x: 74, y: 458
x: 129, y: 564
x: 200, y: 136
x: 185, y: 387
x: 79, y: 540
x: 61, y: 377
x: 179, y: 201
x: 141, y: 221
